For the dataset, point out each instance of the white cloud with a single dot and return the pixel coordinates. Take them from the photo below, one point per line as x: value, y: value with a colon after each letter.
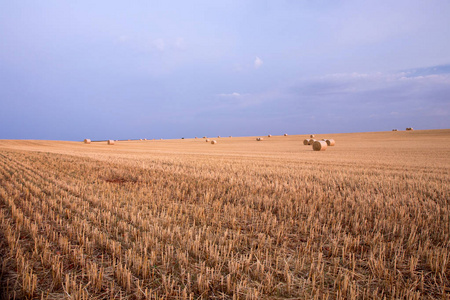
x: 180, y: 43
x: 159, y: 44
x: 168, y: 44
x: 238, y: 68
x: 258, y: 62
x: 232, y: 95
x: 123, y: 38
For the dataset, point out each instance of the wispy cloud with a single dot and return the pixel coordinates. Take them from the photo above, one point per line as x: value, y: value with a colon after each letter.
x: 353, y: 101
x: 238, y: 68
x: 159, y: 44
x: 394, y: 86
x: 168, y: 44
x: 258, y: 62
x: 231, y: 95
x: 434, y: 70
x: 123, y: 38
x: 180, y: 43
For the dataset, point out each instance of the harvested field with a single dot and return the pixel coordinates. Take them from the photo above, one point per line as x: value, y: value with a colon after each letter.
x: 180, y: 219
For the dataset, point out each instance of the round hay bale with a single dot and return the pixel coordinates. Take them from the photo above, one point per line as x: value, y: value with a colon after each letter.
x: 312, y: 136
x: 394, y: 129
x: 285, y: 134
x: 213, y: 142
x: 218, y: 136
x: 410, y: 129
x: 87, y: 141
x: 306, y: 142
x: 330, y: 142
x: 110, y: 142
x: 311, y: 141
x: 319, y: 146
x: 195, y: 137
x: 207, y: 140
x: 230, y: 136
x: 259, y: 139
x: 269, y: 135
x: 204, y: 137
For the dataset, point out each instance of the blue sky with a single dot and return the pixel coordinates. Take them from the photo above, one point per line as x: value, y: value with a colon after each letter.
x: 71, y: 70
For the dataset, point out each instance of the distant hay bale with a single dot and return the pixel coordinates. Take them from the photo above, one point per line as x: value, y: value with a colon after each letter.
x: 218, y: 136
x: 285, y: 134
x: 230, y: 136
x: 306, y: 142
x: 204, y: 137
x: 110, y: 142
x: 213, y: 142
x: 410, y: 129
x: 319, y: 146
x: 312, y: 136
x: 330, y: 142
x: 259, y: 139
x: 394, y: 129
x: 195, y: 137
x: 269, y: 135
x: 140, y: 140
x: 87, y: 141
x: 207, y: 140
x: 311, y: 141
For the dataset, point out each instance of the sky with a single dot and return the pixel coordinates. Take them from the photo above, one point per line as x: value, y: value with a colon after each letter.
x: 71, y: 70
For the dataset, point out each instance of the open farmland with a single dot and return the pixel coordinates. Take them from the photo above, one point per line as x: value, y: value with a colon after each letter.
x: 182, y: 219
